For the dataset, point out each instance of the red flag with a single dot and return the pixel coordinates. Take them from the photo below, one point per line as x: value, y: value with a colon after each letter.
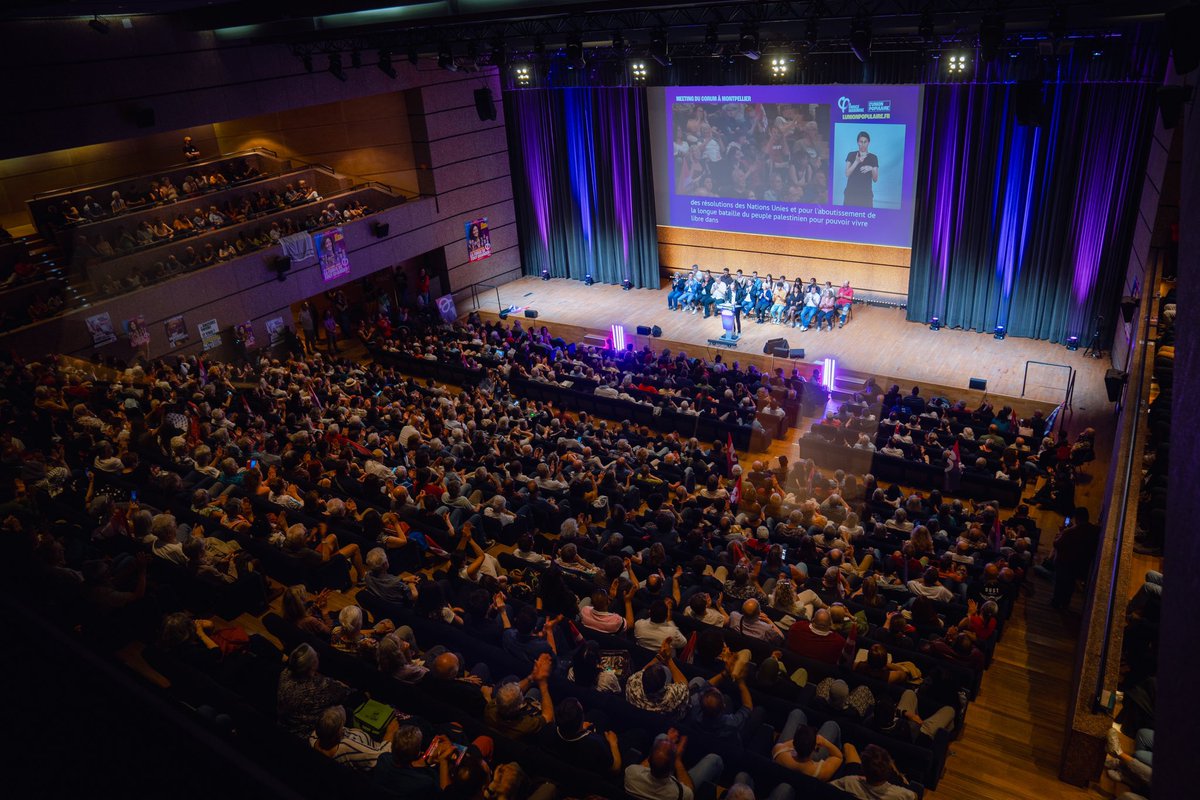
x: 736, y: 494
x: 957, y: 454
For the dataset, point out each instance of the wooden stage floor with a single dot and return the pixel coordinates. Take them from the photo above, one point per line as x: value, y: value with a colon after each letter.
x: 877, y: 341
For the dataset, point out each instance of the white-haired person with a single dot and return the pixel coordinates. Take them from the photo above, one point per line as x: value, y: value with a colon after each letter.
x: 349, y: 635
x: 349, y: 747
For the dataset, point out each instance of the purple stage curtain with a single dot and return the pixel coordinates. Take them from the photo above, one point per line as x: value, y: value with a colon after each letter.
x: 582, y: 183
x: 1026, y: 226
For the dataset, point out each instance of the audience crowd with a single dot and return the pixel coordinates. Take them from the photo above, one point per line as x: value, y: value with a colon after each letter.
x: 525, y: 598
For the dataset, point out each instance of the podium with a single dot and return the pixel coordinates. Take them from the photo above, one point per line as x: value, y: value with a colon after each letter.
x: 729, y: 337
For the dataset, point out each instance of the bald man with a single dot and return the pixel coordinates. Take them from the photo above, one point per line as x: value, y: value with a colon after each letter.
x: 750, y: 621
x: 817, y: 639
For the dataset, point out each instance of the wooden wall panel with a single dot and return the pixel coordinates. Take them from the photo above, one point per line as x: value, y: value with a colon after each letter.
x: 869, y: 268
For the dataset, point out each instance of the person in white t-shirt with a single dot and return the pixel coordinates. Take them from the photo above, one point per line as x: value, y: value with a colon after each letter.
x: 658, y: 628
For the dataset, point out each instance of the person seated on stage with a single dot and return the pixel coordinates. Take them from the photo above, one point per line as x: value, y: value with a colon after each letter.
x: 779, y: 295
x: 812, y: 300
x: 845, y: 297
x: 678, y: 285
x: 827, y: 306
x: 795, y: 302
x: 719, y: 291
x: 762, y: 304
x: 706, y: 296
x: 691, y: 291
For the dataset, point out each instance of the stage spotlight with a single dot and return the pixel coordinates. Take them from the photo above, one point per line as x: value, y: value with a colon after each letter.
x: 385, y: 63
x: 446, y: 58
x: 935, y: 324
x: 1072, y: 342
x: 1000, y: 333
x: 545, y: 274
x: 860, y: 39
x: 98, y: 25
x: 523, y: 75
x: 588, y: 280
x: 626, y: 284
x: 779, y: 66
x: 335, y: 66
x: 659, y: 49
x: 956, y: 65
x: 637, y: 70
x: 748, y: 42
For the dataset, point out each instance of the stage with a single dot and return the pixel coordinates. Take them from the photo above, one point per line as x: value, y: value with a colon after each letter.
x: 877, y: 341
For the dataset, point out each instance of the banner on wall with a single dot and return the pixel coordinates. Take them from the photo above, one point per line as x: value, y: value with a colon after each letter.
x: 101, y: 328
x: 136, y: 330
x: 447, y: 309
x: 479, y: 239
x: 331, y: 249
x: 275, y: 330
x: 245, y: 333
x: 210, y: 334
x: 176, y: 331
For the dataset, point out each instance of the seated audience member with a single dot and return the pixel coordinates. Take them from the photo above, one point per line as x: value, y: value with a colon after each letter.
x: 659, y: 686
x: 750, y: 621
x: 350, y: 747
x: 873, y: 774
x: 508, y: 710
x: 577, y: 741
x: 929, y: 586
x: 405, y: 773
x: 807, y: 750
x: 817, y: 639
x: 658, y: 628
x: 663, y: 775
x: 304, y: 693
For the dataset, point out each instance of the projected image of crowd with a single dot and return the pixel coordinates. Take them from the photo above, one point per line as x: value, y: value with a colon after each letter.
x: 752, y: 151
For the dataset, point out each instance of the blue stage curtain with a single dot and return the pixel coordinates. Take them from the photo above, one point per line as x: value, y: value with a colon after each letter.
x: 1027, y: 227
x: 582, y: 183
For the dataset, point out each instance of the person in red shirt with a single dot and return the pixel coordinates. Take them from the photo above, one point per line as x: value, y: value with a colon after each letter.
x: 980, y: 620
x: 817, y: 639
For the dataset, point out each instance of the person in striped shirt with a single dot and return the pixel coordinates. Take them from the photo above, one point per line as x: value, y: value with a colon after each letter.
x: 349, y: 747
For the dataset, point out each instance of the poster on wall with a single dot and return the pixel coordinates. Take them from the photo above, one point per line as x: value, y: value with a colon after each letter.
x: 447, y: 309
x: 245, y: 332
x: 176, y: 331
x: 101, y: 328
x: 479, y: 239
x: 136, y: 330
x: 275, y: 330
x: 331, y: 249
x: 210, y: 334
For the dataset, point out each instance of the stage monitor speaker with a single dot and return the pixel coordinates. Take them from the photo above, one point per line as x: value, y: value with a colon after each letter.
x: 1128, y: 306
x: 978, y: 383
x: 796, y: 352
x: 1114, y: 381
x: 1028, y: 101
x: 656, y: 331
x: 504, y: 314
x: 531, y: 313
x: 774, y: 344
x: 380, y: 229
x: 484, y: 107
x: 643, y: 330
